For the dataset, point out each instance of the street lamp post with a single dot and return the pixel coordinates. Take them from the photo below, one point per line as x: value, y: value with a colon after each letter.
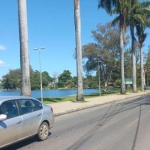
x: 40, y: 71
x: 99, y: 77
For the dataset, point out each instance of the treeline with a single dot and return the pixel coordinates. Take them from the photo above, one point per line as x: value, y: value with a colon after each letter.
x: 103, y: 55
x: 12, y: 80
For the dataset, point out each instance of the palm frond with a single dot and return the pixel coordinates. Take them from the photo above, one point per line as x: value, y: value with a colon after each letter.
x: 145, y: 4
x: 108, y: 5
x: 116, y: 20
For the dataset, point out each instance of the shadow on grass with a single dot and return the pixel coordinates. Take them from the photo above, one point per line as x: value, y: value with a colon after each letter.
x: 53, y: 99
x: 102, y: 94
x: 73, y: 98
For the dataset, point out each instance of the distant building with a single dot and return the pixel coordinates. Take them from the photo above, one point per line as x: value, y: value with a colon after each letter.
x: 111, y: 83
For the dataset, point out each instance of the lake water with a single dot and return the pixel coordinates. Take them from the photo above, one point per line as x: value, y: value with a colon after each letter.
x: 50, y: 93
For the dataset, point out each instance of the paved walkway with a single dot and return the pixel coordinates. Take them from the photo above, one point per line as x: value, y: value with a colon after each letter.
x: 69, y: 106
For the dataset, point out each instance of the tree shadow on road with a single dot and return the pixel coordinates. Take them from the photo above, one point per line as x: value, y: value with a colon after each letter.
x: 137, y: 130
x: 108, y: 116
x: 22, y: 144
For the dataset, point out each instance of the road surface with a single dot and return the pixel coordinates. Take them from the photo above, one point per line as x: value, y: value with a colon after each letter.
x: 123, y: 125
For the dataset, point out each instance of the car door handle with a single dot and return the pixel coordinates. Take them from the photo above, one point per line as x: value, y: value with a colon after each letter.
x: 19, y: 122
x: 39, y: 114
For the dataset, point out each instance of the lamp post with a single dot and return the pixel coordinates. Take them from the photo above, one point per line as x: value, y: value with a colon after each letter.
x: 40, y: 71
x: 99, y: 77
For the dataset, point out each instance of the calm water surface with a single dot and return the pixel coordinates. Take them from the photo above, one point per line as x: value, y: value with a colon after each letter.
x: 49, y: 93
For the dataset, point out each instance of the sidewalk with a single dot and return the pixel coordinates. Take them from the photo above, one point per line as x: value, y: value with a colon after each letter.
x: 69, y: 106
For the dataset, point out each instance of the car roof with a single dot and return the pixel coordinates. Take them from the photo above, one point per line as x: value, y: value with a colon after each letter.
x: 4, y: 98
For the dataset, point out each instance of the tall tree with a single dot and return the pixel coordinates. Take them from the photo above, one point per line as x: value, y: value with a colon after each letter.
x: 11, y: 81
x: 119, y: 7
x: 64, y: 78
x: 106, y: 50
x: 128, y: 63
x: 147, y: 67
x: 141, y: 38
x: 77, y: 21
x: 24, y: 55
x: 136, y: 16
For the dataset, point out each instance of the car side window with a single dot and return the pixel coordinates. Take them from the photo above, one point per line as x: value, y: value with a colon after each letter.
x: 9, y: 108
x: 28, y: 106
x: 37, y: 105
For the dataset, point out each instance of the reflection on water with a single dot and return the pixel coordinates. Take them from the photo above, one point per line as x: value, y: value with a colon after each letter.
x: 49, y: 93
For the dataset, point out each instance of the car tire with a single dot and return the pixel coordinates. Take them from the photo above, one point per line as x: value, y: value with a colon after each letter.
x: 43, y: 132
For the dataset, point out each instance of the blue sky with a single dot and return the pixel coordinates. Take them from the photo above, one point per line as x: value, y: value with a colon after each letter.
x: 50, y: 25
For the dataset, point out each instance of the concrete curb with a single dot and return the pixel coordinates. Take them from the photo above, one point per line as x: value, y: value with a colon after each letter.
x: 96, y: 105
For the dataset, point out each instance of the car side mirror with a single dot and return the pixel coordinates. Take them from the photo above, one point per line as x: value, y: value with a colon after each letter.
x: 3, y: 117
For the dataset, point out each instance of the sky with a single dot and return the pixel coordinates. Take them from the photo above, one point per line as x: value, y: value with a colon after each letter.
x: 50, y: 25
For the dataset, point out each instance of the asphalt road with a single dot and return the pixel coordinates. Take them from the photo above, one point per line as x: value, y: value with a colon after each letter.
x: 124, y: 125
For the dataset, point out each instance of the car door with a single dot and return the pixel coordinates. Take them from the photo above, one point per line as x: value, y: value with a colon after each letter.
x: 31, y: 115
x: 10, y: 128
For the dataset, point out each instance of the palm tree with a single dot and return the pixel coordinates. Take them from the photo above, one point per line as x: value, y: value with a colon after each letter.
x: 141, y: 38
x: 24, y: 55
x: 140, y: 29
x: 77, y: 19
x: 119, y: 7
x: 136, y: 16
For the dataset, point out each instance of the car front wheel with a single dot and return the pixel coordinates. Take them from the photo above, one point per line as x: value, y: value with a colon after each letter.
x: 43, y: 132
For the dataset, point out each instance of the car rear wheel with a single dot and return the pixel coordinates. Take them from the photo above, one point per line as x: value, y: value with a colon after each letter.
x: 43, y: 132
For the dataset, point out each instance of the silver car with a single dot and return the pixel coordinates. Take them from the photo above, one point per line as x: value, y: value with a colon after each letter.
x: 22, y: 117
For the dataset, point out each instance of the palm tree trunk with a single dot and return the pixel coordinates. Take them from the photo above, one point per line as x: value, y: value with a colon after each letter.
x: 144, y: 77
x: 24, y: 56
x: 133, y: 60
x: 77, y: 19
x: 122, y: 62
x: 142, y: 69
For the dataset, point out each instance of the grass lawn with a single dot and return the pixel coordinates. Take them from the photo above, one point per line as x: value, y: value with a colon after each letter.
x: 73, y: 98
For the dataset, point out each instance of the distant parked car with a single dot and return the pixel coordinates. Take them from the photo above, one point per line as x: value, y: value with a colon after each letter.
x: 22, y: 117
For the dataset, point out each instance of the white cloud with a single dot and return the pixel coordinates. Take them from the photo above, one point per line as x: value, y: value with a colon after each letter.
x: 3, y: 64
x: 2, y: 47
